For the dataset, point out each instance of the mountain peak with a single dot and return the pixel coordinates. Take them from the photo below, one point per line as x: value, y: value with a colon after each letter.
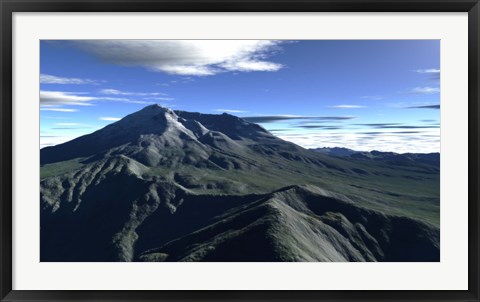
x: 155, y: 109
x: 154, y: 129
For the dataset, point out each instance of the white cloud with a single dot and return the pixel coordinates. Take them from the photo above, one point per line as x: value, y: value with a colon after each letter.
x: 58, y: 109
x: 51, y: 79
x: 425, y: 90
x: 128, y: 93
x: 159, y: 98
x: 109, y: 118
x: 425, y: 142
x: 347, y: 106
x: 431, y: 70
x: 251, y: 66
x: 60, y: 98
x: 124, y: 100
x: 55, y: 117
x: 230, y: 110
x: 187, y: 70
x: 186, y: 57
x: 67, y: 124
x: 56, y: 100
x: 52, y: 140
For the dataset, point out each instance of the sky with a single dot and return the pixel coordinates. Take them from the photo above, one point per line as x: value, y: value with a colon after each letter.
x: 359, y: 94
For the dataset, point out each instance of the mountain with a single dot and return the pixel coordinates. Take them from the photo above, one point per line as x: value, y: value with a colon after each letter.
x: 388, y: 157
x: 164, y: 185
x: 335, y: 151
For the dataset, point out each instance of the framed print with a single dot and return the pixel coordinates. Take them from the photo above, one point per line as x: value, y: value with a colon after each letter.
x: 239, y: 150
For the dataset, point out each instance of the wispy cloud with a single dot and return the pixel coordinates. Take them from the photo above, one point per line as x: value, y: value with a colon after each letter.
x: 57, y: 100
x: 347, y: 106
x: 180, y: 80
x: 373, y: 97
x: 320, y: 127
x: 395, y: 126
x: 52, y: 140
x: 67, y: 124
x: 131, y: 97
x: 70, y: 128
x: 58, y: 109
x: 407, y: 127
x: 428, y: 71
x: 379, y: 124
x: 159, y: 98
x: 60, y: 98
x: 425, y: 90
x: 129, y: 93
x: 275, y: 118
x: 51, y: 79
x: 186, y: 57
x: 124, y: 100
x: 424, y: 107
x: 389, y: 132
x: 55, y: 117
x: 431, y: 73
x: 109, y: 118
x: 230, y: 110
x: 395, y: 141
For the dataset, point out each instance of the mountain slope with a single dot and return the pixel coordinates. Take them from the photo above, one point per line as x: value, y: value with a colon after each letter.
x: 303, y: 224
x: 393, y: 158
x: 163, y: 185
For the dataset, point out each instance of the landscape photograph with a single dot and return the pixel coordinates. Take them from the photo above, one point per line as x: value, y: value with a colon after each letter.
x: 239, y: 150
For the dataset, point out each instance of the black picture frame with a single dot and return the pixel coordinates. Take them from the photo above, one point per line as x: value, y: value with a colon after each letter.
x: 8, y: 7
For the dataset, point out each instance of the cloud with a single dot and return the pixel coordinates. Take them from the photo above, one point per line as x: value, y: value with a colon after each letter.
x: 275, y: 118
x: 432, y: 73
x: 128, y: 93
x: 52, y: 140
x: 406, y: 127
x: 124, y: 100
x: 159, y: 98
x: 390, y: 132
x: 373, y: 97
x: 394, y: 126
x: 400, y: 142
x: 379, y: 124
x: 251, y: 66
x: 347, y: 106
x: 58, y: 109
x: 60, y: 98
x: 428, y: 71
x: 230, y: 110
x: 186, y: 57
x: 180, y: 80
x: 320, y: 127
x: 56, y: 100
x: 425, y: 90
x: 424, y: 107
x: 55, y: 117
x: 109, y: 118
x: 69, y: 128
x: 67, y: 124
x: 51, y: 79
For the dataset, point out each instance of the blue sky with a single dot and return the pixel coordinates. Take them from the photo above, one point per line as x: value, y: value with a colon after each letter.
x: 360, y: 94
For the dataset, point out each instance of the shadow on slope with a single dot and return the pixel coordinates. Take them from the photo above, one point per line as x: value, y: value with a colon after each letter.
x: 304, y: 224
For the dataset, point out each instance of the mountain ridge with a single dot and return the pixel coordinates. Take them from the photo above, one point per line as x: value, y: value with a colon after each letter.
x: 164, y: 185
